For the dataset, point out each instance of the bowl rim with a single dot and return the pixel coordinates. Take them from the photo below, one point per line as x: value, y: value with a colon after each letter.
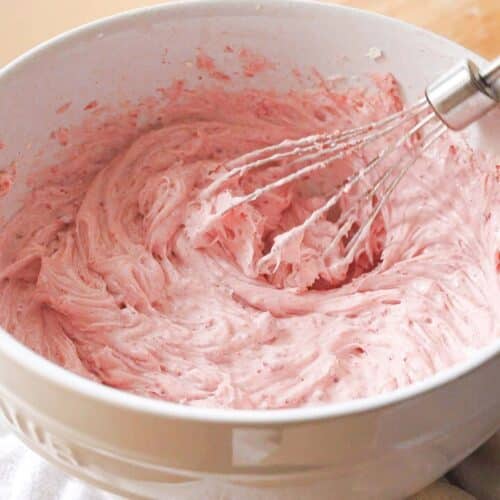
x: 59, y: 376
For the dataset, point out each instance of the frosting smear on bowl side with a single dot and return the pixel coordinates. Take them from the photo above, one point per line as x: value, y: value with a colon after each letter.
x: 116, y: 268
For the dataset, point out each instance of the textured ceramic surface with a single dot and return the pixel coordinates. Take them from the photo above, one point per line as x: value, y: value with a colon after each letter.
x: 384, y: 447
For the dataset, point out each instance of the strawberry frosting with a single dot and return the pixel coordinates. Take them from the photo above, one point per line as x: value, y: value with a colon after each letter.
x: 117, y: 267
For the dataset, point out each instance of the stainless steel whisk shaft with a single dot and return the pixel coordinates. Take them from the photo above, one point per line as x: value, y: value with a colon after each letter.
x: 458, y: 98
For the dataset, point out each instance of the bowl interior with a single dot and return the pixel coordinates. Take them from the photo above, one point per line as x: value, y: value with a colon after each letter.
x: 130, y: 56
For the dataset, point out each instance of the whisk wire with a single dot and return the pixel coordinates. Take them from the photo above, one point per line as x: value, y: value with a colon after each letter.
x: 348, y: 185
x: 437, y: 131
x: 318, y: 146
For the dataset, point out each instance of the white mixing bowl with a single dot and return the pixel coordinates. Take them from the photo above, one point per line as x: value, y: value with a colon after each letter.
x: 384, y: 447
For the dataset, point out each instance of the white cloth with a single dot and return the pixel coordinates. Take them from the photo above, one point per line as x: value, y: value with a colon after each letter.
x: 26, y: 476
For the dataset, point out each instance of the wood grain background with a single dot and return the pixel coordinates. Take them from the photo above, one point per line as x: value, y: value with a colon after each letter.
x: 472, y: 23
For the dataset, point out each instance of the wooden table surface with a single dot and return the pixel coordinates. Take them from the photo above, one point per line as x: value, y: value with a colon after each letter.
x: 472, y: 23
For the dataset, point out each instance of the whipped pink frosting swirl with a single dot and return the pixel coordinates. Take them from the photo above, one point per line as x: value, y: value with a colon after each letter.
x: 114, y: 269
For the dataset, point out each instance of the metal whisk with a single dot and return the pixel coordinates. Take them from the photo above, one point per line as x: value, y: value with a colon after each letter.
x: 455, y: 100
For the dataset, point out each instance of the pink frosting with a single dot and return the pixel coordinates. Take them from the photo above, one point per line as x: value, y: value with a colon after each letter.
x: 116, y: 269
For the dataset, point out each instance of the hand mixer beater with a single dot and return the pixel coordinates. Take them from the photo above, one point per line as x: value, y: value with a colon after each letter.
x: 458, y: 98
